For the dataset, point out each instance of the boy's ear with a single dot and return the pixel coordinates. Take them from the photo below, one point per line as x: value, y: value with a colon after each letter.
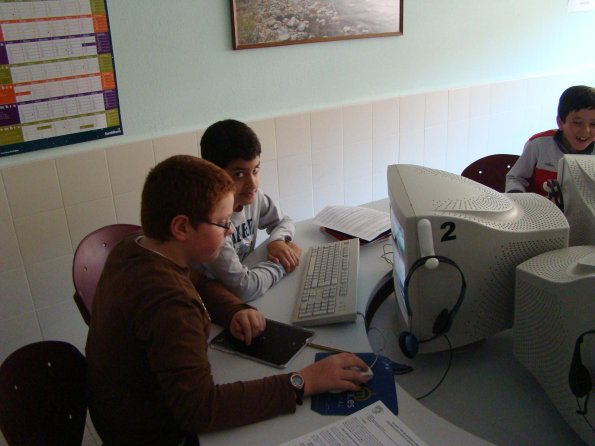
x: 179, y: 227
x: 559, y: 122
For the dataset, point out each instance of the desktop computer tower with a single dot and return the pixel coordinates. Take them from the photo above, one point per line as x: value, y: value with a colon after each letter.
x: 554, y: 328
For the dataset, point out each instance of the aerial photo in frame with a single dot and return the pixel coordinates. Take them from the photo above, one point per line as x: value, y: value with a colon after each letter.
x: 262, y: 23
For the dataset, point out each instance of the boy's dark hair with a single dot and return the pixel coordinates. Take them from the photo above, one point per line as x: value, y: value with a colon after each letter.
x: 228, y: 140
x: 181, y: 185
x: 574, y: 99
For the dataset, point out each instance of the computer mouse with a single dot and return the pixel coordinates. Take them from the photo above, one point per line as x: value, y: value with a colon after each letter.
x: 366, y: 373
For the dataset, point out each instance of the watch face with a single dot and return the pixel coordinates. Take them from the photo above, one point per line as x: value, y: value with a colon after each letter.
x: 297, y: 381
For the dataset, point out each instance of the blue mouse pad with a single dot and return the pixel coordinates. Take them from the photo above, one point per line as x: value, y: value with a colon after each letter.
x: 380, y: 388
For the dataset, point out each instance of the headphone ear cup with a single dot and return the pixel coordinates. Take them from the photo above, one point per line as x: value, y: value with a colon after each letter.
x: 408, y: 344
x: 441, y: 323
x: 579, y: 380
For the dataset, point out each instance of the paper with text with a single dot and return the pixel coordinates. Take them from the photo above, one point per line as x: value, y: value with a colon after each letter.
x: 374, y: 425
x: 361, y: 222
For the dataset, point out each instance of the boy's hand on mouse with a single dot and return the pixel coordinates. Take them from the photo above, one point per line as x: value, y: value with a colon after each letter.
x: 285, y: 253
x: 247, y: 324
x: 335, y: 373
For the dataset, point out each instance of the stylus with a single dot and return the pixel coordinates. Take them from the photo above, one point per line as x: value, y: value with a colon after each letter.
x: 326, y: 348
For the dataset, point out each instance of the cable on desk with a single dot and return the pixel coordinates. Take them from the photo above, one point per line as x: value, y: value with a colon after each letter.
x: 445, y: 372
x: 397, y: 367
x: 381, y: 294
x: 583, y: 411
x: 381, y: 334
x: 376, y: 356
x: 385, y: 254
x: 400, y: 369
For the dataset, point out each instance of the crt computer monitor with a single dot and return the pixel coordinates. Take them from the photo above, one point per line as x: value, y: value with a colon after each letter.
x: 576, y: 176
x: 554, y: 305
x: 484, y: 232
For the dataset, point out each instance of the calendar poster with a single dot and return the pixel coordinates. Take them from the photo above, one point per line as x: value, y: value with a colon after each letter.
x: 57, y: 74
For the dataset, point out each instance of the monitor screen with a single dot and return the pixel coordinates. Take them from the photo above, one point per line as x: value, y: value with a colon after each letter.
x: 399, y: 253
x: 482, y: 232
x: 576, y: 176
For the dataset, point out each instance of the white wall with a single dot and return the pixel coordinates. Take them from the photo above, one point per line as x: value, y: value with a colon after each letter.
x: 176, y: 70
x: 330, y: 156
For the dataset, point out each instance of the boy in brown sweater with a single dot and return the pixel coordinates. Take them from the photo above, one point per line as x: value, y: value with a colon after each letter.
x: 150, y: 380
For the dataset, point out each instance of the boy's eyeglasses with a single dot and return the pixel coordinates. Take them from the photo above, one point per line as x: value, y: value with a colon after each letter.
x: 225, y: 226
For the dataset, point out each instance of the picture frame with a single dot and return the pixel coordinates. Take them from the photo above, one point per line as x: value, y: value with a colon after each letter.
x: 267, y: 23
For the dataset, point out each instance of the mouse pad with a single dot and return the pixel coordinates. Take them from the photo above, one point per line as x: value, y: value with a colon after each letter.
x: 276, y: 346
x: 380, y: 388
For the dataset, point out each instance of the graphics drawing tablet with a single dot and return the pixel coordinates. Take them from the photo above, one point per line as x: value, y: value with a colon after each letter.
x: 276, y: 346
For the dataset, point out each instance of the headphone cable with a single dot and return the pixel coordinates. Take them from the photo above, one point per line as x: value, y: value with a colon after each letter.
x: 583, y: 411
x: 445, y: 372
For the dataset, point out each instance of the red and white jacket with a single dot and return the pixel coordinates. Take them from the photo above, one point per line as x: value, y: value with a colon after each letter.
x: 538, y: 163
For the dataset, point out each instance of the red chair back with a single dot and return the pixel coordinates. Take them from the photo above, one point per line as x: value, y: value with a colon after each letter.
x: 89, y: 258
x: 491, y: 170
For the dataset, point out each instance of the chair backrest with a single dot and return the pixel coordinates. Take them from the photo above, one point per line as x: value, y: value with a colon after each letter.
x: 43, y: 397
x: 89, y: 258
x: 491, y: 170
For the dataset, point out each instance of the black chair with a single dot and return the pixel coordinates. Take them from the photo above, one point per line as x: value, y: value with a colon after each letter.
x: 43, y: 398
x: 491, y: 170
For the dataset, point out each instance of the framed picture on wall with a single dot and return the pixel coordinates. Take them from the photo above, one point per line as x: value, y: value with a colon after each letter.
x: 265, y: 23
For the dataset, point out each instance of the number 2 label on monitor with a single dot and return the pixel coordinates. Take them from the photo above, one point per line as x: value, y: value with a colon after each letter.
x: 449, y: 226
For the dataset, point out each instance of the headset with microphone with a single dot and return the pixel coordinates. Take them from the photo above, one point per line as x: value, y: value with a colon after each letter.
x: 579, y: 378
x: 408, y: 342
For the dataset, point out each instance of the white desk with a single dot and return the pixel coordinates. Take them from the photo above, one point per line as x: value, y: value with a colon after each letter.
x: 278, y: 304
x: 487, y: 391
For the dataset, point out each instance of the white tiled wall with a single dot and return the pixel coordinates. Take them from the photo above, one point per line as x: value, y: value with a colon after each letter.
x: 334, y: 156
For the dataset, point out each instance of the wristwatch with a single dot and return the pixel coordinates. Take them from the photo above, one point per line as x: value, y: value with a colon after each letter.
x: 297, y: 383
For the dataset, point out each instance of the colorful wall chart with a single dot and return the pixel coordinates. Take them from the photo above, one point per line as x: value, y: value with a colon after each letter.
x: 57, y: 74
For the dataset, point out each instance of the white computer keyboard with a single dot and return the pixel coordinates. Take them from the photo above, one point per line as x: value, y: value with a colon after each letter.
x: 328, y: 291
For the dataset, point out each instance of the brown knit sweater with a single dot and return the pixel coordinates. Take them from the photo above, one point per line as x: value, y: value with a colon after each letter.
x: 150, y: 379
